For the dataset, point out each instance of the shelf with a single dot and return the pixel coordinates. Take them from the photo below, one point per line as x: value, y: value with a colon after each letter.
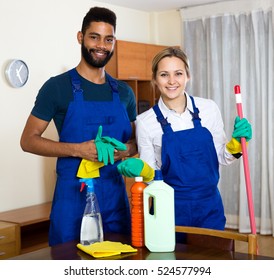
x: 33, y: 223
x: 34, y: 237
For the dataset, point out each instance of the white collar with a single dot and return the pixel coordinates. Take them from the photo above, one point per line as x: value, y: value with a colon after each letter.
x: 166, y: 110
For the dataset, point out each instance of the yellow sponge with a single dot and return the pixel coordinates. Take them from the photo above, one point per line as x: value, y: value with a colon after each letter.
x: 89, y: 169
x: 106, y: 249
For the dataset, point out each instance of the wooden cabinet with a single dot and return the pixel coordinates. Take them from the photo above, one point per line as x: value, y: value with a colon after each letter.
x: 24, y: 230
x: 144, y: 93
x: 131, y: 62
x: 9, y: 240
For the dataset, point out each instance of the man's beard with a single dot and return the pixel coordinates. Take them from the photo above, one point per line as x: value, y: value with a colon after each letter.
x: 98, y: 63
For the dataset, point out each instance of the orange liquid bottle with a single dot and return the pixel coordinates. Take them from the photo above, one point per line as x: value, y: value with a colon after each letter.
x: 137, y: 213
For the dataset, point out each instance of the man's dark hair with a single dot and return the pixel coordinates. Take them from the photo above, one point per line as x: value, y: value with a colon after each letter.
x: 99, y: 14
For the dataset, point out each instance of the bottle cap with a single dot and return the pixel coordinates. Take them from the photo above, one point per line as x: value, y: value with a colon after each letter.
x: 90, y: 185
x: 138, y: 179
x: 158, y: 175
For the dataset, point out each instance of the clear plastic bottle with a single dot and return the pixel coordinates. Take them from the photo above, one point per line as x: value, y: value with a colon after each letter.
x: 137, y: 213
x: 91, y: 227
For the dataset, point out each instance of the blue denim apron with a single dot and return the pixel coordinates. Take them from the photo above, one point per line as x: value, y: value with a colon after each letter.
x: 190, y: 165
x: 81, y: 124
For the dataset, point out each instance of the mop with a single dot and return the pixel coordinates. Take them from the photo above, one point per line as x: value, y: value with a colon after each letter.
x: 238, y: 97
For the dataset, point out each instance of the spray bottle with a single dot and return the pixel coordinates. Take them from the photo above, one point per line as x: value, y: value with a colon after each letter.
x: 91, y: 227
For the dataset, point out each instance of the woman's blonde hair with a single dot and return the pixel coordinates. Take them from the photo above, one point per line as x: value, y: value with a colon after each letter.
x: 169, y: 52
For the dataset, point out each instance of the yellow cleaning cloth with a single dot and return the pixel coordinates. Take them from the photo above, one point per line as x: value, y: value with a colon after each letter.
x: 89, y: 169
x: 106, y: 249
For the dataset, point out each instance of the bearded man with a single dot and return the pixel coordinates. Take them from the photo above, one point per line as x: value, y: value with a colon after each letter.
x: 84, y: 103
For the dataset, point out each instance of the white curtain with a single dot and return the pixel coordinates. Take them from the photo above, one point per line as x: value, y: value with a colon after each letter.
x: 224, y: 51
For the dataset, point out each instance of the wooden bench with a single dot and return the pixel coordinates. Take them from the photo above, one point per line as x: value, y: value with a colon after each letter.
x: 34, y: 225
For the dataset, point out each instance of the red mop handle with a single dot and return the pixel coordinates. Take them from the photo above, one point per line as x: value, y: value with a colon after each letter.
x: 238, y: 96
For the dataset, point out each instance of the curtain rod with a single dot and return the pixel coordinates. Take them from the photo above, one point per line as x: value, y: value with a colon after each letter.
x: 197, y: 5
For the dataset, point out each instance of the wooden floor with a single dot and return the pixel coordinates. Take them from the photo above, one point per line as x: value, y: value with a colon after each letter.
x: 265, y: 246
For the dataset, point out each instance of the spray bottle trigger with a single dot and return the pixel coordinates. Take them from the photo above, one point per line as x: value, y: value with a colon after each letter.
x: 83, y: 184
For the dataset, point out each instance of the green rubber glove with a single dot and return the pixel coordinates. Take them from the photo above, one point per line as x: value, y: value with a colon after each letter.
x: 131, y: 167
x: 105, y: 150
x: 135, y: 167
x: 115, y: 143
x: 242, y: 128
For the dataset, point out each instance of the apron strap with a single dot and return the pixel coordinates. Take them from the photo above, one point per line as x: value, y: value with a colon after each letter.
x: 113, y: 83
x: 195, y: 115
x: 166, y: 127
x: 76, y: 84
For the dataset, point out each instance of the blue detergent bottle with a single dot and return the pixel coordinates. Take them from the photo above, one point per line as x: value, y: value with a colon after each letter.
x: 91, y: 227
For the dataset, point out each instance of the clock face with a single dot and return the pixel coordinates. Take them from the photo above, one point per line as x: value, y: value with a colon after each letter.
x: 17, y: 73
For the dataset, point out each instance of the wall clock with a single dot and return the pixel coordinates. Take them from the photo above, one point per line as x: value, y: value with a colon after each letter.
x: 17, y: 73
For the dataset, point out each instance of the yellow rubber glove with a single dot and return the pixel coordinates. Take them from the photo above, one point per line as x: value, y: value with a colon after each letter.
x: 147, y: 173
x: 242, y: 128
x: 89, y: 169
x: 135, y: 167
x: 234, y: 147
x: 106, y: 249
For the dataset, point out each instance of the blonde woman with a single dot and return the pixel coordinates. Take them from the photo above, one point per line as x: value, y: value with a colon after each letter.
x: 184, y: 137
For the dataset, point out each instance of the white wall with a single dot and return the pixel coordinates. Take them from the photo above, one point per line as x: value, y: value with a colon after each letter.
x: 43, y: 33
x: 166, y: 28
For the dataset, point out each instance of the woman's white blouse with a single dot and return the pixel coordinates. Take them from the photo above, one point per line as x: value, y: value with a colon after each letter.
x: 149, y: 132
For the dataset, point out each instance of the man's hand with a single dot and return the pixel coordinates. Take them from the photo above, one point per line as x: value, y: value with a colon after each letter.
x: 87, y: 150
x: 106, y: 146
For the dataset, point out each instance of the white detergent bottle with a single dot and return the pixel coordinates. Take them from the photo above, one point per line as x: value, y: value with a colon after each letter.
x: 159, y: 218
